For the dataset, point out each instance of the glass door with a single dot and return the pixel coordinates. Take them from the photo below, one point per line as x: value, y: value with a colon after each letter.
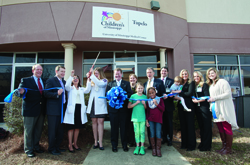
x: 19, y: 73
x: 127, y: 69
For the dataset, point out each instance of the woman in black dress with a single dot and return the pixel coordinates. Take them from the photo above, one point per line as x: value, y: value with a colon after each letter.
x: 203, y: 114
x: 188, y: 138
x: 75, y: 116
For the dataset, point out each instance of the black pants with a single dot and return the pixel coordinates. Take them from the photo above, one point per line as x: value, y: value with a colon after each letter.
x: 188, y: 137
x: 167, y: 125
x: 204, y: 118
x: 118, y: 121
x: 55, y: 129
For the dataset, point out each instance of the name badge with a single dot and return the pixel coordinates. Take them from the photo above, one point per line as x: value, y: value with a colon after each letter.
x: 199, y: 89
x: 167, y: 90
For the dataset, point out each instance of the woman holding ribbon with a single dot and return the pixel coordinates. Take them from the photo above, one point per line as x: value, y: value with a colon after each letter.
x: 97, y: 108
x: 203, y: 114
x: 188, y: 138
x: 75, y: 116
x: 222, y: 108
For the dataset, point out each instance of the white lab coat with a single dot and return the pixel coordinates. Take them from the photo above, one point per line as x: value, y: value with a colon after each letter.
x: 98, y: 90
x: 72, y: 93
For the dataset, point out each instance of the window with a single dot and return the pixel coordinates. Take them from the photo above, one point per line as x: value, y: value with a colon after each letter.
x: 233, y: 68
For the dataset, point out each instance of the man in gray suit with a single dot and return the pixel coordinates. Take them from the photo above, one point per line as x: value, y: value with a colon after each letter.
x: 33, y: 110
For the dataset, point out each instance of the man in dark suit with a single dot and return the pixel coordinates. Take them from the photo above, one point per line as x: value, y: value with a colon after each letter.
x: 33, y: 110
x: 167, y: 118
x: 55, y: 97
x: 160, y: 90
x: 118, y: 116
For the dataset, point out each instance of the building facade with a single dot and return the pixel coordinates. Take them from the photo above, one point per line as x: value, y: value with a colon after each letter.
x: 190, y: 34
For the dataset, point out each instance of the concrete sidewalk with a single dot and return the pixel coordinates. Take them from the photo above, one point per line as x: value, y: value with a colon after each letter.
x: 95, y: 157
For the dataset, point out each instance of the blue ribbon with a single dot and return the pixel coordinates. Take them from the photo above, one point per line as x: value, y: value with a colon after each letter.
x: 8, y: 98
x: 213, y: 104
x: 116, y: 97
x: 111, y: 95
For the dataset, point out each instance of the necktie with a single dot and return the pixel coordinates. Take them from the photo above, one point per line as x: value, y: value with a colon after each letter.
x: 163, y: 81
x: 118, y: 83
x: 40, y: 86
x: 149, y: 84
x: 63, y: 94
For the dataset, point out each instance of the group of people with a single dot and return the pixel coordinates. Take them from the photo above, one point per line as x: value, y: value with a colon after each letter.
x: 148, y: 105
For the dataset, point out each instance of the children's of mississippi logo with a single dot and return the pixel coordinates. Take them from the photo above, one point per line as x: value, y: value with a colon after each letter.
x: 112, y: 20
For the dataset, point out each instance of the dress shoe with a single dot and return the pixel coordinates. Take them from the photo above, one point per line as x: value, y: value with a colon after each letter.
x: 202, y: 149
x: 60, y: 150
x: 125, y: 149
x: 170, y: 143
x: 101, y: 148
x: 95, y: 147
x: 39, y: 151
x: 31, y: 155
x: 71, y: 151
x: 55, y: 152
x: 78, y: 149
x: 189, y: 149
x: 114, y: 149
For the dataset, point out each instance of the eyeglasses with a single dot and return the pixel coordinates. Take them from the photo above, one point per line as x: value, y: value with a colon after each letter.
x: 75, y: 77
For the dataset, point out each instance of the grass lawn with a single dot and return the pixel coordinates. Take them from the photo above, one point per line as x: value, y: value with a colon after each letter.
x: 240, y: 149
x: 11, y: 150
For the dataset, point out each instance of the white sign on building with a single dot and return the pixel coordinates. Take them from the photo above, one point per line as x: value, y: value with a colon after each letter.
x: 122, y: 24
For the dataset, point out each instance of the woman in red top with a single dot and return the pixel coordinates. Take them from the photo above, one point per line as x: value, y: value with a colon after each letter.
x: 155, y: 109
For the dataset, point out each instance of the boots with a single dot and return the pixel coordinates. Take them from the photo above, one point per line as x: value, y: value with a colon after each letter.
x: 152, y: 140
x: 228, y: 149
x: 223, y: 139
x: 158, y: 147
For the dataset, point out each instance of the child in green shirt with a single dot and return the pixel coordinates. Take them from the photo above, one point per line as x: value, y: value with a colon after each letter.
x: 138, y: 118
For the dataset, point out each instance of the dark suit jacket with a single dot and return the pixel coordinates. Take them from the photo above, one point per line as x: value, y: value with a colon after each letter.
x: 169, y: 102
x: 158, y: 84
x: 125, y: 85
x: 54, y: 103
x: 34, y: 103
x: 187, y: 92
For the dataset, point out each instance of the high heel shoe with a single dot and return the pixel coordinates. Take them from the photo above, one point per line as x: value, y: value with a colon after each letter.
x: 72, y: 151
x: 78, y: 149
x: 95, y: 147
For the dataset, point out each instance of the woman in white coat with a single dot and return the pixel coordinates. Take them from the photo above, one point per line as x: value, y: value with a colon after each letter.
x: 97, y: 108
x: 75, y: 116
x: 225, y: 118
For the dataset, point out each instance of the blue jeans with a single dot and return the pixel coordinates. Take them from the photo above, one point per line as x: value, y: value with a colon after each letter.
x: 155, y: 129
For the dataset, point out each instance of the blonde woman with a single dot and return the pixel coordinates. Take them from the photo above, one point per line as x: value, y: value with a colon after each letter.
x: 220, y: 93
x: 97, y: 108
x: 203, y: 114
x: 188, y: 138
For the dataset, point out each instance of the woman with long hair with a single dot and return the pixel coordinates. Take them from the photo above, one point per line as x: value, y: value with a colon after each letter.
x: 188, y: 138
x: 203, y: 114
x: 75, y: 115
x: 223, y: 108
x: 97, y: 108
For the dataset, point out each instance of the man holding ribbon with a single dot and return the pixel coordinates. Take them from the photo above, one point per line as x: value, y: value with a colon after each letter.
x: 33, y: 109
x: 55, y: 104
x: 118, y: 117
x: 167, y: 125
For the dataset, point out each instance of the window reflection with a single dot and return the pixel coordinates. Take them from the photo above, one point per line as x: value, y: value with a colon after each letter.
x: 245, y: 59
x: 54, y: 57
x: 6, y: 57
x: 20, y: 73
x: 49, y: 71
x: 227, y: 59
x: 103, y: 57
x: 202, y: 69
x: 203, y: 59
x: 245, y: 71
x: 125, y: 57
x: 25, y: 58
x: 148, y: 57
x: 5, y: 81
x: 231, y: 74
x: 126, y: 71
x: 142, y: 76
